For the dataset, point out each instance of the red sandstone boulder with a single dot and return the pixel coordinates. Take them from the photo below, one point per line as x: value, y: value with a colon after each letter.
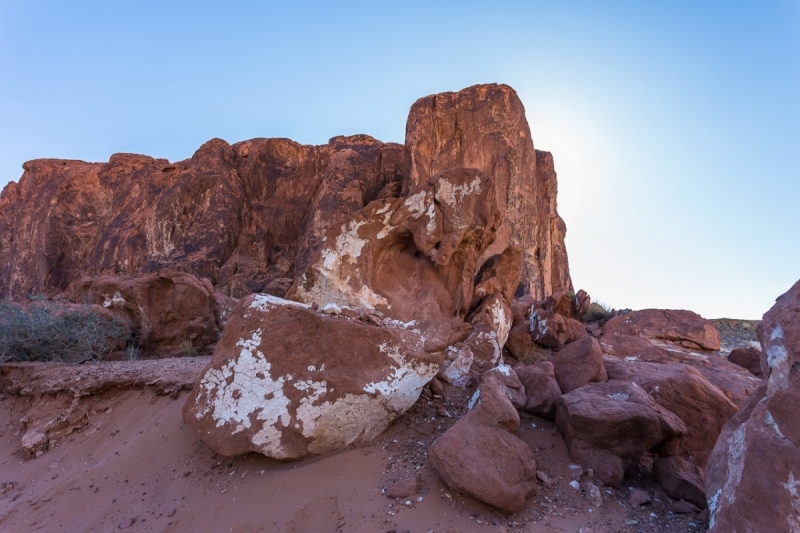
x: 412, y: 259
x: 168, y: 311
x: 684, y: 391
x: 480, y: 456
x: 748, y: 358
x: 752, y: 480
x: 608, y: 427
x: 484, y: 127
x: 579, y: 363
x: 681, y: 480
x: 520, y: 344
x: 541, y: 388
x: 549, y: 328
x: 286, y: 395
x: 515, y: 391
x: 681, y: 327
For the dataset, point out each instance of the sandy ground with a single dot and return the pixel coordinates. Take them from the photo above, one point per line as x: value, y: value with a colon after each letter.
x: 121, y: 457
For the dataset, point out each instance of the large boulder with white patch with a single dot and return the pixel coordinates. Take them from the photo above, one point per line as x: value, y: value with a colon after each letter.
x: 753, y: 474
x: 289, y: 381
x: 412, y: 259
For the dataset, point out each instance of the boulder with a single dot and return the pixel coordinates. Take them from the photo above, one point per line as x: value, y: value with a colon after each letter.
x: 520, y: 344
x: 748, y: 358
x: 684, y: 391
x: 515, y: 391
x: 608, y: 427
x: 541, y: 388
x: 403, y: 488
x: 286, y: 395
x: 484, y: 127
x: 480, y: 456
x: 681, y: 480
x: 168, y: 311
x: 681, y: 327
x: 579, y: 363
x: 549, y: 328
x: 752, y: 480
x: 412, y: 259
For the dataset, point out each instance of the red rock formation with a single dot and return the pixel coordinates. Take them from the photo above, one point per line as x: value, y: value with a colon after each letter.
x: 251, y: 216
x: 237, y: 215
x: 484, y: 127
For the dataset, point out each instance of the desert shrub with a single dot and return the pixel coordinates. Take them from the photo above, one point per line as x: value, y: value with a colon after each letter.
x: 596, y: 311
x: 51, y: 331
x: 187, y: 348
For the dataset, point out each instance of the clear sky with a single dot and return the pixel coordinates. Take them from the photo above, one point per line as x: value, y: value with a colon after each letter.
x: 675, y: 127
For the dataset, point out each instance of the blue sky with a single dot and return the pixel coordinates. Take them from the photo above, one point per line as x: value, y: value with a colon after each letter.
x: 675, y: 128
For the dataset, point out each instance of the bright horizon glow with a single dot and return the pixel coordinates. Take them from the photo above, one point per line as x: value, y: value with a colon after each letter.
x: 673, y: 128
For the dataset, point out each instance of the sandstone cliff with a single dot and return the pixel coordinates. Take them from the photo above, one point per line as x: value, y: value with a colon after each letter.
x: 251, y: 216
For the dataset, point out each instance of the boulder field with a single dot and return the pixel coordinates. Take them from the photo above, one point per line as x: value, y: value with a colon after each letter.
x: 337, y: 284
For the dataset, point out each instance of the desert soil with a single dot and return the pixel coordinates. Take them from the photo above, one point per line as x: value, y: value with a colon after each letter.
x: 121, y: 457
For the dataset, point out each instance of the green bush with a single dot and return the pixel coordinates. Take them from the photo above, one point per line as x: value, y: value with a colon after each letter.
x: 51, y: 331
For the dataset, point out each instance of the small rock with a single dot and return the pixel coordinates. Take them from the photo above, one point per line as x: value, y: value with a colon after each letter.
x: 575, y: 485
x: 442, y: 412
x: 171, y: 513
x: 403, y: 488
x: 126, y: 523
x: 408, y: 503
x: 592, y: 493
x: 437, y: 387
x: 575, y: 470
x: 544, y: 478
x: 631, y: 522
x: 683, y: 507
x: 638, y: 497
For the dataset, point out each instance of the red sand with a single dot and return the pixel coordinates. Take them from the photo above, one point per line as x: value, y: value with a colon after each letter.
x: 132, y: 463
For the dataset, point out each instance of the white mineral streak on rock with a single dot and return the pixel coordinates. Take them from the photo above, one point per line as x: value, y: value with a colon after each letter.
x: 453, y: 194
x: 332, y: 309
x: 252, y: 390
x: 416, y: 203
x: 333, y: 275
x: 619, y: 397
x: 459, y: 367
x: 338, y: 423
x: 263, y: 302
x: 111, y: 300
x: 474, y: 400
x: 778, y: 360
x: 735, y: 452
x: 501, y: 320
x: 774, y: 425
x: 792, y: 486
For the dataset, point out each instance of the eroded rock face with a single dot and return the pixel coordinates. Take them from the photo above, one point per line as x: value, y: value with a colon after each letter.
x: 681, y: 327
x: 413, y: 258
x: 752, y: 480
x: 273, y: 391
x: 167, y: 311
x: 484, y: 127
x: 480, y: 456
x: 608, y: 426
x: 235, y: 214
